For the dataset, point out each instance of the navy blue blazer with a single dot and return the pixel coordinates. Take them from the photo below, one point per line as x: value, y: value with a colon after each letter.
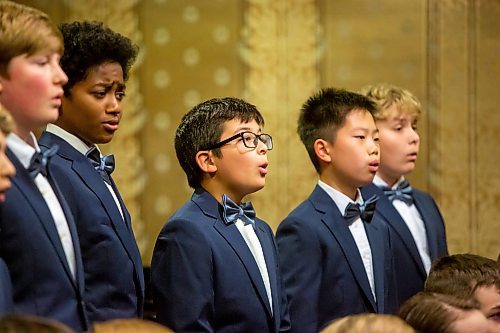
x: 5, y: 289
x: 205, y: 279
x: 114, y: 280
x: 324, y: 275
x: 31, y: 248
x: 410, y: 271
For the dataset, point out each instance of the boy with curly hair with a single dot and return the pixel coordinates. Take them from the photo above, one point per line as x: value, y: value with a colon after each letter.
x: 97, y: 61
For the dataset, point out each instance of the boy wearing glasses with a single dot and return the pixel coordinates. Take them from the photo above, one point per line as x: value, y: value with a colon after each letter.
x: 215, y: 265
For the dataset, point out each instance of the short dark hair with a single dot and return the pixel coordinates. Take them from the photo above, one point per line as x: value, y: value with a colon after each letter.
x: 88, y: 44
x: 324, y: 113
x: 461, y: 274
x: 433, y: 312
x: 203, y: 126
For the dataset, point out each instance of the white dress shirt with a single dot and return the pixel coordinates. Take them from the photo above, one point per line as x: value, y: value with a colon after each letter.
x: 414, y: 222
x: 357, y: 230
x: 82, y: 147
x: 248, y: 233
x: 24, y: 152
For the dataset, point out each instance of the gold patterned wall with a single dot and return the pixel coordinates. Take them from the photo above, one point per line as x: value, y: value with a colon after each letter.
x: 275, y: 53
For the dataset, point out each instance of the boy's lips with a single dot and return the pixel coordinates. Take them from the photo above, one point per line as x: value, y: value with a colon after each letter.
x: 373, y: 166
x: 111, y: 126
x: 412, y: 156
x: 263, y: 168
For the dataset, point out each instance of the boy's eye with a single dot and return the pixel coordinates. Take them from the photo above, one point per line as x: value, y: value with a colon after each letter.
x: 99, y: 94
x: 361, y: 137
x: 120, y: 95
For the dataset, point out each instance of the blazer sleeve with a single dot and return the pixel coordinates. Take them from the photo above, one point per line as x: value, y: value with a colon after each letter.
x: 181, y: 274
x: 300, y: 263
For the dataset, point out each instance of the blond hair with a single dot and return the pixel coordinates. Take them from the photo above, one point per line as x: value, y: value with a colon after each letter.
x: 29, y: 323
x: 385, y: 95
x: 129, y: 326
x: 6, y: 121
x: 369, y: 323
x: 25, y: 30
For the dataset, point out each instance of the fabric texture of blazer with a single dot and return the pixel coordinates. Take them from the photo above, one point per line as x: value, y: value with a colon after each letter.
x: 5, y: 289
x: 30, y: 246
x: 410, y: 271
x: 205, y: 279
x: 114, y: 278
x: 324, y: 275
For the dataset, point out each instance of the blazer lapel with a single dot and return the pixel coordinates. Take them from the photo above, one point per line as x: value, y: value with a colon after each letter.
x: 84, y: 169
x: 35, y: 199
x: 340, y: 230
x: 391, y: 216
x: 79, y: 274
x: 429, y: 217
x: 377, y: 244
x: 268, y: 249
x: 233, y: 237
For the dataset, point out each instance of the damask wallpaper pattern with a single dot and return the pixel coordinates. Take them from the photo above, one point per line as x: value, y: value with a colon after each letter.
x: 275, y: 53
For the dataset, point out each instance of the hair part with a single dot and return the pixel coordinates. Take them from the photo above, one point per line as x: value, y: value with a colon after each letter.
x: 90, y: 44
x: 25, y: 30
x: 433, y: 312
x: 385, y: 95
x: 324, y: 113
x: 203, y: 127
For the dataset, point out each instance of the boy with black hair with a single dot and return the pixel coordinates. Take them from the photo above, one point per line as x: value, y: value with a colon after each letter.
x: 215, y: 265
x: 334, y: 254
x: 38, y: 238
x: 97, y: 61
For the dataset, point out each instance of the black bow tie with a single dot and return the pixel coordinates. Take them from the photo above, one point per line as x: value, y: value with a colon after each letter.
x: 232, y: 211
x: 402, y: 192
x: 104, y: 165
x: 365, y: 211
x: 40, y: 161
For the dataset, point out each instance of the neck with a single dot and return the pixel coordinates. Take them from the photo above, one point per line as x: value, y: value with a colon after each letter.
x: 348, y: 190
x: 388, y: 179
x: 216, y: 191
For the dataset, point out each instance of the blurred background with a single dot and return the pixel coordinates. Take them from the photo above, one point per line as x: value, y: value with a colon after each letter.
x: 276, y: 53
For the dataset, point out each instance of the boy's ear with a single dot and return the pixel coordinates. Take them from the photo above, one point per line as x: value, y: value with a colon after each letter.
x: 322, y: 149
x: 205, y: 161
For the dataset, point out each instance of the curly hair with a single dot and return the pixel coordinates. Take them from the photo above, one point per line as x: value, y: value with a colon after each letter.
x: 89, y: 44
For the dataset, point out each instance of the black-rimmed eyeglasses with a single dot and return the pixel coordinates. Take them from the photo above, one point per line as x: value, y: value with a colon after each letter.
x: 250, y: 140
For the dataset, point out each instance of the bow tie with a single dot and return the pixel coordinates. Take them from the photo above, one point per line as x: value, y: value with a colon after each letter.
x: 105, y: 165
x: 40, y: 161
x: 402, y: 192
x: 365, y: 211
x: 232, y: 211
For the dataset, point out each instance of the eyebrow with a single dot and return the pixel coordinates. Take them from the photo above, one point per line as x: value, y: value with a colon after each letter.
x: 240, y: 129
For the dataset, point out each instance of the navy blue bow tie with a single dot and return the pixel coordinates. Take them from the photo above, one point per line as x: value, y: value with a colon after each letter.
x: 365, y: 211
x: 104, y: 165
x: 402, y: 192
x: 232, y: 211
x: 40, y: 161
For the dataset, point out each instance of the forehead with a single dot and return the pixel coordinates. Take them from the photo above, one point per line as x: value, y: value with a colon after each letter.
x: 236, y: 125
x: 107, y: 72
x: 488, y: 296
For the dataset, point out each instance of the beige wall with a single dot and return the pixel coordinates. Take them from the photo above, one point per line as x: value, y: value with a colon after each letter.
x: 275, y: 53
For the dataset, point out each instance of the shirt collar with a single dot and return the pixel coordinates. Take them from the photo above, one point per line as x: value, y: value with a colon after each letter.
x: 22, y: 149
x: 379, y: 182
x: 340, y: 199
x: 72, y: 139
